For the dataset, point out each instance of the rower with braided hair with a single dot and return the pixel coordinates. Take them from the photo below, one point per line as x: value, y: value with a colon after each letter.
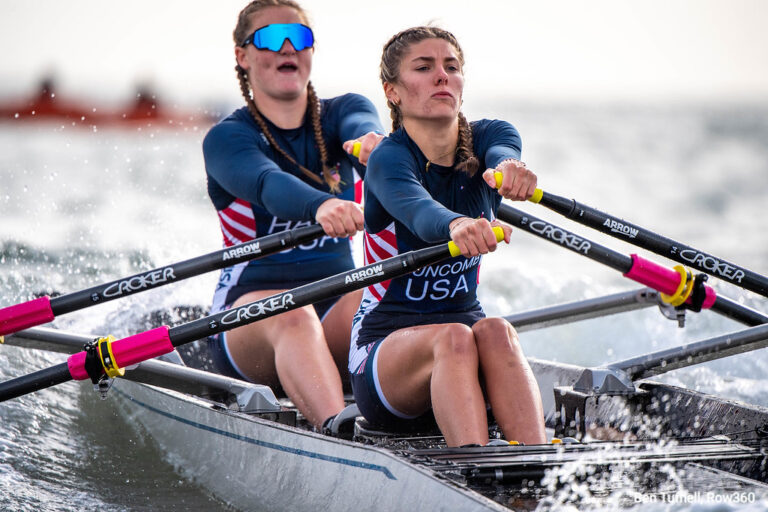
x: 279, y: 163
x: 421, y: 344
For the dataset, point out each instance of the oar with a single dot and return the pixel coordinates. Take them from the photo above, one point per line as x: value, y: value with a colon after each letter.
x: 107, y: 356
x: 677, y: 286
x: 44, y: 309
x: 636, y: 235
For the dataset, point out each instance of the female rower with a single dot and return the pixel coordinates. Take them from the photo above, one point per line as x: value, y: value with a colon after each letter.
x: 422, y: 341
x: 273, y: 165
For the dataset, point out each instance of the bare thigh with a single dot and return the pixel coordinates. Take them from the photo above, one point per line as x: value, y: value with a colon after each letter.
x: 406, y: 360
x: 252, y: 347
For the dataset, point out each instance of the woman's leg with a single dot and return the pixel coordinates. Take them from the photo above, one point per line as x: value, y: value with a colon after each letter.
x: 289, y: 348
x: 337, y: 326
x: 436, y: 365
x: 509, y: 382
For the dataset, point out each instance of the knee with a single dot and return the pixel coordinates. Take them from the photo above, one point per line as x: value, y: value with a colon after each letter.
x: 302, y: 318
x: 496, y: 335
x: 455, y: 340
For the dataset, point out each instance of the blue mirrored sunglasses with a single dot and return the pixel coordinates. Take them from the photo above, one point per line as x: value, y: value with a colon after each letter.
x: 273, y: 36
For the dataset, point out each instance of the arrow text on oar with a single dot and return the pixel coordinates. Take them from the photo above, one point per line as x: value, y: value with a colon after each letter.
x: 109, y: 357
x: 44, y: 309
x: 678, y: 286
x: 641, y: 237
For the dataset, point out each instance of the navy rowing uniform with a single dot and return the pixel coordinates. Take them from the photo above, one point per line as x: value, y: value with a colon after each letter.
x: 409, y: 204
x: 257, y: 192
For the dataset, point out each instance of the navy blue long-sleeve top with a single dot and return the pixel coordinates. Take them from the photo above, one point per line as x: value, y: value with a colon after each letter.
x: 257, y: 191
x: 409, y: 204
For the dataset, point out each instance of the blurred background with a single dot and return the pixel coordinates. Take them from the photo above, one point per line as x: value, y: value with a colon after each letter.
x: 549, y: 50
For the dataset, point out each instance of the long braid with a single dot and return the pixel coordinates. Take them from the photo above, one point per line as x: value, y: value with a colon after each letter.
x: 465, y: 153
x: 391, y: 58
x: 395, y: 114
x: 313, y: 104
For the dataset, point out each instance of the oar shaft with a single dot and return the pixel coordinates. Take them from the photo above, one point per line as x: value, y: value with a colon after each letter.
x: 42, y: 310
x: 564, y: 238
x: 676, y: 251
x: 307, y: 294
x: 738, y: 312
x: 113, y: 356
x: 162, y: 276
x: 636, y: 268
x: 34, y: 382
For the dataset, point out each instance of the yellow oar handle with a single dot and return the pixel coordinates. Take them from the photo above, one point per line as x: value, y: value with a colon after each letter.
x: 356, y: 149
x: 455, y: 251
x: 535, y: 198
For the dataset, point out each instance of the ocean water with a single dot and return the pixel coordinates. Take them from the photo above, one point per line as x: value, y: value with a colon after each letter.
x: 80, y: 206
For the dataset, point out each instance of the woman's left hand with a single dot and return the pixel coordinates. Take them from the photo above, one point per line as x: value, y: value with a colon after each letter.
x: 519, y: 182
x: 367, y: 142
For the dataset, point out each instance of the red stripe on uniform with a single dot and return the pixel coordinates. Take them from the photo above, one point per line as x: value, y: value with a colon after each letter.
x: 236, y: 233
x: 389, y: 237
x: 381, y: 253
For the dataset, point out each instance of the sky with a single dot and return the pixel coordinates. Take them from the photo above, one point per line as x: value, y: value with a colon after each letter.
x: 549, y: 50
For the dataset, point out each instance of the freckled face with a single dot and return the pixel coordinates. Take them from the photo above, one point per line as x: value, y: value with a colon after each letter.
x: 280, y: 75
x: 431, y: 81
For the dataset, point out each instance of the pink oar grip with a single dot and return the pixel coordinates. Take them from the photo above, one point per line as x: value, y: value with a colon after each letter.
x: 24, y: 315
x: 662, y: 279
x: 140, y: 347
x: 76, y: 365
x: 651, y: 274
x: 127, y: 351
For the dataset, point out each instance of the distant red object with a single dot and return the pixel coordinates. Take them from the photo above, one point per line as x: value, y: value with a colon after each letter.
x: 145, y: 110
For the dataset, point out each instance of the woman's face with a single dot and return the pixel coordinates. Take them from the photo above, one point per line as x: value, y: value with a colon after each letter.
x: 280, y: 75
x: 431, y: 82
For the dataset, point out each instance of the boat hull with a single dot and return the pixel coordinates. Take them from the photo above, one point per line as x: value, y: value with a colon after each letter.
x: 256, y: 464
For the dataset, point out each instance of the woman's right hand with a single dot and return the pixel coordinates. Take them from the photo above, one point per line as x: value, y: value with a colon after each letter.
x: 475, y: 236
x: 340, y: 218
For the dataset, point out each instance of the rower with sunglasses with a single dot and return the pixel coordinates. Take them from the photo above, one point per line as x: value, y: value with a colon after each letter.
x: 276, y: 164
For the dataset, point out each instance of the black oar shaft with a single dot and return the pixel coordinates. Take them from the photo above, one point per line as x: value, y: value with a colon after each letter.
x: 307, y: 294
x: 622, y: 263
x: 182, y: 270
x: 35, y: 381
x: 566, y: 239
x: 738, y: 312
x: 140, y: 347
x: 676, y: 251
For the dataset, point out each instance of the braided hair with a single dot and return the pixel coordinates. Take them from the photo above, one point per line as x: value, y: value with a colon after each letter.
x: 313, y: 103
x: 391, y: 58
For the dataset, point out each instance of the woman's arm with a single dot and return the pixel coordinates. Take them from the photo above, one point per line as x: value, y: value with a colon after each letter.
x: 238, y: 164
x: 359, y: 122
x: 392, y: 180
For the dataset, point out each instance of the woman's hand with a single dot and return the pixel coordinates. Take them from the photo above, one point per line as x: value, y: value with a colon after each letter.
x: 367, y: 143
x: 475, y: 236
x: 519, y: 182
x: 340, y: 218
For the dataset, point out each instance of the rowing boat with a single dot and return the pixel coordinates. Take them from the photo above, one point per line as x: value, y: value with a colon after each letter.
x: 640, y: 440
